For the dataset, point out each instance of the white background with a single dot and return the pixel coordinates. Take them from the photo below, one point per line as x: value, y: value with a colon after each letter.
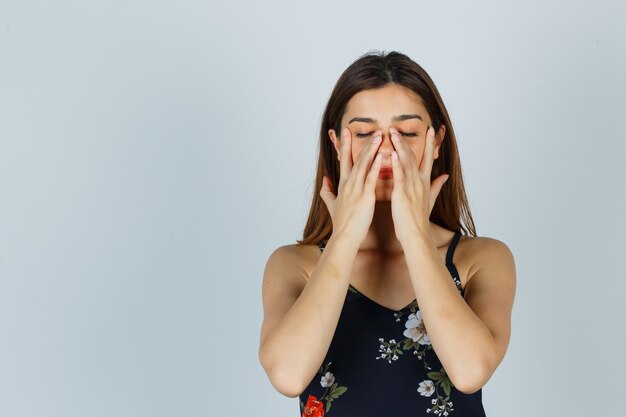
x: 153, y: 154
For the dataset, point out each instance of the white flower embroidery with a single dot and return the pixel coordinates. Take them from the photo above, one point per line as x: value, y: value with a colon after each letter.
x: 415, y: 329
x: 327, y: 380
x: 389, y: 351
x: 426, y: 388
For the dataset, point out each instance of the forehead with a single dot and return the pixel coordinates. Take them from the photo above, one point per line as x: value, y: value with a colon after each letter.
x: 384, y: 103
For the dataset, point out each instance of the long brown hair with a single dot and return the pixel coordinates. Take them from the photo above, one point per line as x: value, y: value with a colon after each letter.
x: 374, y: 70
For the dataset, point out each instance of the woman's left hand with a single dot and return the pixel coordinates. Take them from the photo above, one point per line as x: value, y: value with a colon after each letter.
x: 413, y: 196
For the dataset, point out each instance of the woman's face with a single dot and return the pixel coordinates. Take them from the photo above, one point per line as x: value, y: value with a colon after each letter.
x: 379, y: 109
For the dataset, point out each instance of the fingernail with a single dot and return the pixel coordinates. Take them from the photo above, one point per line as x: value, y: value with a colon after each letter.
x: 394, y: 137
x: 377, y: 138
x: 345, y: 131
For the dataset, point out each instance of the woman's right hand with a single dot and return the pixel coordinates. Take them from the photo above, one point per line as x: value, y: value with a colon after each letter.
x: 352, y: 209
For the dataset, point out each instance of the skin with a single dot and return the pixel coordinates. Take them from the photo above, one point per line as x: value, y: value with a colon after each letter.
x: 382, y: 105
x: 470, y: 334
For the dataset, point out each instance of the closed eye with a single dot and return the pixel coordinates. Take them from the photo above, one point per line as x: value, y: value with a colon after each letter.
x: 364, y: 135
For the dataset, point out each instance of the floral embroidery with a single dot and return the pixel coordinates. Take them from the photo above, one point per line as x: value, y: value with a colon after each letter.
x: 416, y: 330
x: 417, y: 340
x: 315, y: 407
x: 426, y: 388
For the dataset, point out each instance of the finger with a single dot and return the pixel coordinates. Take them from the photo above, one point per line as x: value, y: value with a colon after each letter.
x: 364, y: 160
x: 372, y: 177
x: 435, y: 189
x: 398, y: 171
x: 426, y: 163
x: 327, y: 195
x: 327, y: 188
x: 345, y: 163
x: 405, y: 155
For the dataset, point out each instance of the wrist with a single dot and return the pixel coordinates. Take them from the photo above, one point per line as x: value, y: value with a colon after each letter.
x: 416, y: 238
x: 345, y: 241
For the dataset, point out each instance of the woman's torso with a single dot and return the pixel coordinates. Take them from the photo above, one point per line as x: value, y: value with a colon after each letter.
x: 380, y: 361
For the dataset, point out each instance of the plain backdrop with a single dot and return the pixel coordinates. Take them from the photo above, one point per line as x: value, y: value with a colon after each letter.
x: 154, y: 153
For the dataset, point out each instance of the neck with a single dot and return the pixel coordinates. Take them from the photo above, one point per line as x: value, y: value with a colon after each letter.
x: 381, y: 236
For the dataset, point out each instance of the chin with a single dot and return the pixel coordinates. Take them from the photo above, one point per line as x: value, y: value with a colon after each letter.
x: 383, y: 195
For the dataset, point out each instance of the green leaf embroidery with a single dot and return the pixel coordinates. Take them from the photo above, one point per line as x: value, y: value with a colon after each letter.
x: 434, y: 375
x: 338, y: 391
x: 446, y: 386
x: 408, y: 343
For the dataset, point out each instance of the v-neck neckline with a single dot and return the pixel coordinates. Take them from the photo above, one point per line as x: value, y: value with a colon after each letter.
x: 380, y: 305
x: 448, y: 262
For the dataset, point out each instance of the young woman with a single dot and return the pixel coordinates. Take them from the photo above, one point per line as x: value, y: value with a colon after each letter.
x: 385, y: 307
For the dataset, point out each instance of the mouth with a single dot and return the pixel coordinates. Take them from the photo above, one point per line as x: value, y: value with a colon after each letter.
x: 385, y: 174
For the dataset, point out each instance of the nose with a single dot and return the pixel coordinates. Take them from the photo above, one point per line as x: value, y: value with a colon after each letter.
x: 386, y: 147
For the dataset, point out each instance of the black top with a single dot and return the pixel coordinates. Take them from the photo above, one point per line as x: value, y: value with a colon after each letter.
x: 381, y: 363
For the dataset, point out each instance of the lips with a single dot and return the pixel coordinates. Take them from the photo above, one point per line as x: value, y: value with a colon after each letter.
x: 386, y: 170
x: 385, y: 174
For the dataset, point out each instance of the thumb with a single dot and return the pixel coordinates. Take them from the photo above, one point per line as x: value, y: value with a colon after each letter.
x: 326, y: 192
x: 436, y: 186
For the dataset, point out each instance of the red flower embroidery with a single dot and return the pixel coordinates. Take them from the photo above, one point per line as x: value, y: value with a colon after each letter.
x: 313, y: 408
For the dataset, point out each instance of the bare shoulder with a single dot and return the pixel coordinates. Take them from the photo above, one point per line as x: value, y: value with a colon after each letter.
x: 284, y: 278
x: 490, y: 293
x: 482, y: 252
x: 289, y: 267
x: 298, y: 260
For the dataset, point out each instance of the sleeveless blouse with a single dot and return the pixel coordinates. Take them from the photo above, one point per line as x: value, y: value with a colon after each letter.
x: 380, y: 363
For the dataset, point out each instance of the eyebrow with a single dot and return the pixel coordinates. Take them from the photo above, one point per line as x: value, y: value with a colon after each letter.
x: 393, y: 119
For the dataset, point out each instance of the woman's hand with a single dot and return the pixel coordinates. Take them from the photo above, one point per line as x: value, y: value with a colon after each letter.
x: 413, y: 196
x: 353, y: 209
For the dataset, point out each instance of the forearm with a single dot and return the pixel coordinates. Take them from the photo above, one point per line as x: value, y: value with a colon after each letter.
x: 460, y: 339
x: 294, y: 351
